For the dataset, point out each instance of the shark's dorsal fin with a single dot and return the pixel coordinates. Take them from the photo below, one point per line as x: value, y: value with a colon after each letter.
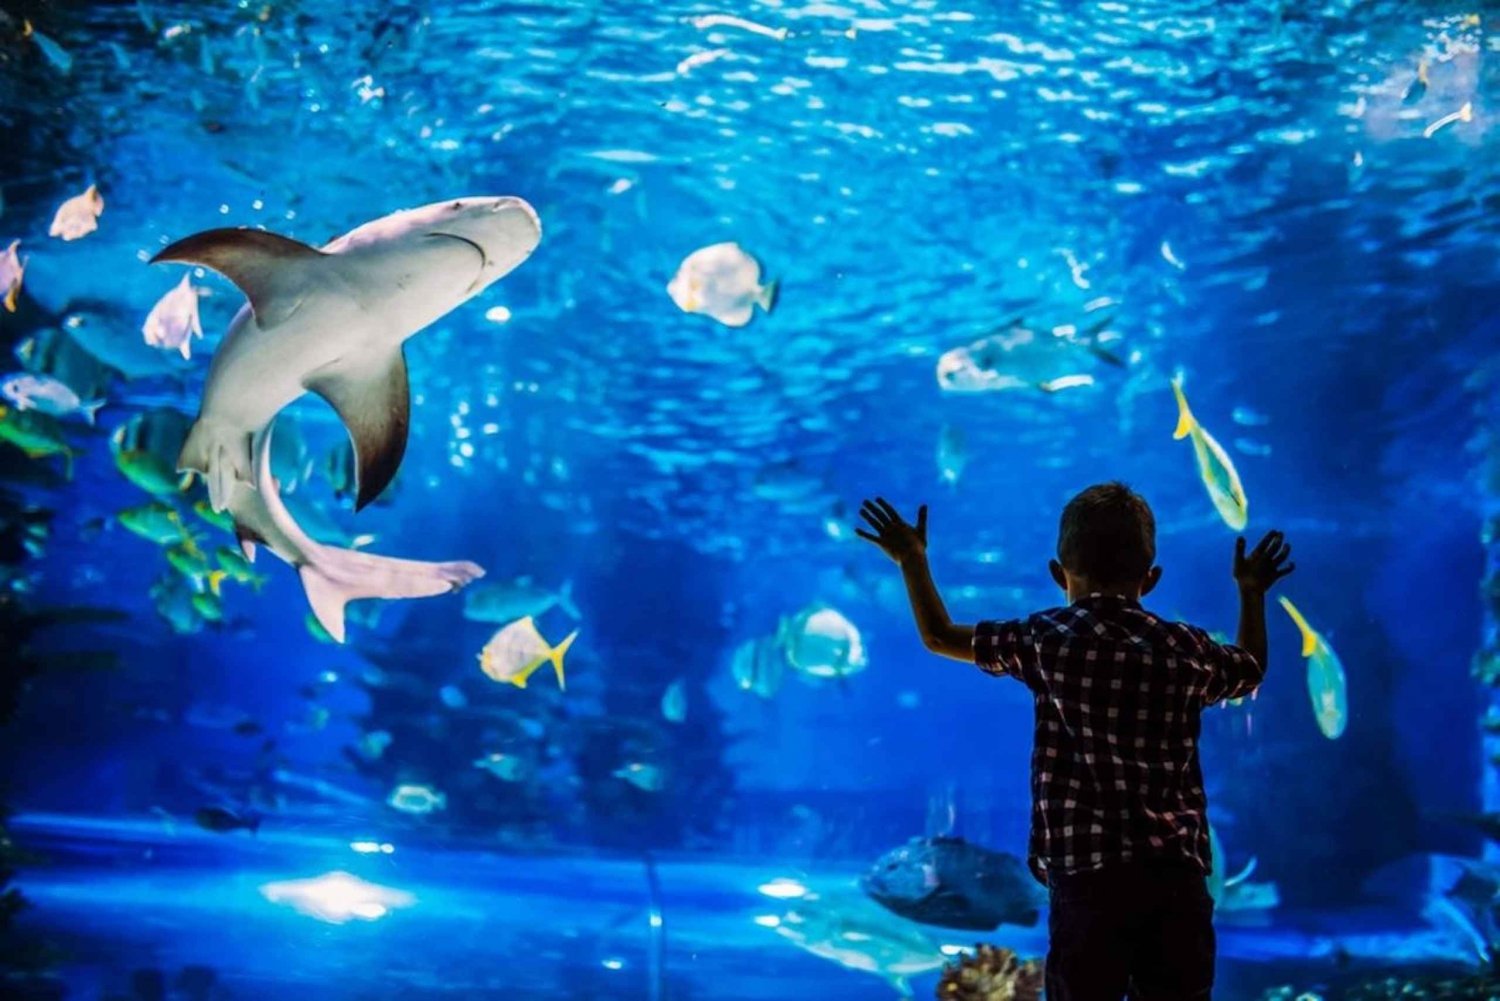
x: 374, y: 402
x: 256, y: 261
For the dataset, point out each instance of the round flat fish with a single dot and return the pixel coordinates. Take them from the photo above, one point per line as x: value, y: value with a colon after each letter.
x: 722, y: 282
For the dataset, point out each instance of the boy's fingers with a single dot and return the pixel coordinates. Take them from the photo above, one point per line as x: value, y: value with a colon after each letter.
x: 874, y: 522
x: 1239, y: 548
x: 922, y: 520
x: 890, y: 512
x: 1285, y: 570
x: 866, y: 535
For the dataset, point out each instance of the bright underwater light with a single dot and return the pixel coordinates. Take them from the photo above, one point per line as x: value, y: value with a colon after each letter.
x: 372, y: 847
x: 783, y: 889
x: 337, y: 897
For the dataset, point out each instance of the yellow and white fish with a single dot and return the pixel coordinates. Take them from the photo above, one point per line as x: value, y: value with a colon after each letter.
x: 12, y: 271
x: 1325, y: 677
x: 1214, y: 465
x: 723, y: 282
x: 517, y: 650
x: 173, y: 321
x: 78, y: 216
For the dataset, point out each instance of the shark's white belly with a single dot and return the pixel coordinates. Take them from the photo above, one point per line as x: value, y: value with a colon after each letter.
x: 255, y: 373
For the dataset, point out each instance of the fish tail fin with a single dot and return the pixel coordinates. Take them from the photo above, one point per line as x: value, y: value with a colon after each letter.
x: 220, y: 454
x: 768, y: 294
x: 556, y: 657
x: 334, y: 577
x: 1243, y: 874
x: 1309, y: 637
x: 90, y: 410
x: 565, y: 601
x: 1185, y: 420
x: 216, y: 582
x: 186, y: 349
x: 13, y: 296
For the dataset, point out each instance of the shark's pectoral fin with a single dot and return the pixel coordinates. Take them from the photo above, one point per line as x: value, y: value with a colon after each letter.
x: 266, y: 267
x: 374, y: 402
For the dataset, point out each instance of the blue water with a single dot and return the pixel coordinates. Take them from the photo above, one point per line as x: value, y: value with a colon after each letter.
x: 1250, y: 187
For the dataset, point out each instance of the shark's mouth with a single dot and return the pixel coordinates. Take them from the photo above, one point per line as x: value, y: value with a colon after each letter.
x: 484, y: 260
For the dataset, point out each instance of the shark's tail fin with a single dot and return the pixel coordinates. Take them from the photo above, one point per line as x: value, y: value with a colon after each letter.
x: 220, y: 454
x: 336, y: 577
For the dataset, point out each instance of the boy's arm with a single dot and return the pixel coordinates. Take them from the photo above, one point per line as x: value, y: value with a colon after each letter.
x: 940, y: 634
x: 907, y: 546
x: 1255, y: 574
x: 1252, y: 635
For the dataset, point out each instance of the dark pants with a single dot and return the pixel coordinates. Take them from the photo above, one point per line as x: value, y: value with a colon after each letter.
x: 1137, y: 929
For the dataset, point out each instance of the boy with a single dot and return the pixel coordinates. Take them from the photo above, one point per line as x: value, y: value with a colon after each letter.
x: 1119, y: 826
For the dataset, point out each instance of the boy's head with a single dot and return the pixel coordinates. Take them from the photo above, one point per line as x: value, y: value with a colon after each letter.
x: 1106, y: 542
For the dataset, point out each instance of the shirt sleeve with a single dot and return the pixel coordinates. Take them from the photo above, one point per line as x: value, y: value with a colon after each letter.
x: 1003, y: 647
x: 1232, y: 672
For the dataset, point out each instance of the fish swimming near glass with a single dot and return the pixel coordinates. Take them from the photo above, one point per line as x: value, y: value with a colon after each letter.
x: 948, y: 882
x: 173, y: 322
x: 78, y: 216
x: 507, y: 601
x: 821, y: 644
x: 722, y: 282
x: 1326, y: 684
x: 333, y: 321
x: 515, y: 652
x: 1215, y: 468
x: 12, y: 274
x: 1020, y: 358
x: 858, y: 935
x: 48, y: 395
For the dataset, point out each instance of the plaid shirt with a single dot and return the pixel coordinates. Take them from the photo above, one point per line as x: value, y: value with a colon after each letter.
x: 1114, y: 767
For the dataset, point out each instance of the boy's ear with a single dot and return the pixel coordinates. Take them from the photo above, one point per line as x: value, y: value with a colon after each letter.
x: 1058, y: 574
x: 1149, y: 582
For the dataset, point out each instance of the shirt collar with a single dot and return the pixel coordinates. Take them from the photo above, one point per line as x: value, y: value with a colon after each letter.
x: 1099, y: 600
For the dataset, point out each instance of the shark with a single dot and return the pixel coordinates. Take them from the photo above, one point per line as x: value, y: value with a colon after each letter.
x: 333, y: 321
x: 332, y: 577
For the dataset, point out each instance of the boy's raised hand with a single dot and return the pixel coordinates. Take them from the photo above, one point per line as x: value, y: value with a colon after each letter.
x: 1265, y: 565
x: 897, y: 539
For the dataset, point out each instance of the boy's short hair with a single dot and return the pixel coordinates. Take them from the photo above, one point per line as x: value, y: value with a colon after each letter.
x: 1107, y: 535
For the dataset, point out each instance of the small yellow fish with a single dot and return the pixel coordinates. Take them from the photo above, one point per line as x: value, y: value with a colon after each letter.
x: 517, y: 650
x: 78, y: 216
x: 12, y: 272
x: 1214, y: 467
x: 1325, y: 677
